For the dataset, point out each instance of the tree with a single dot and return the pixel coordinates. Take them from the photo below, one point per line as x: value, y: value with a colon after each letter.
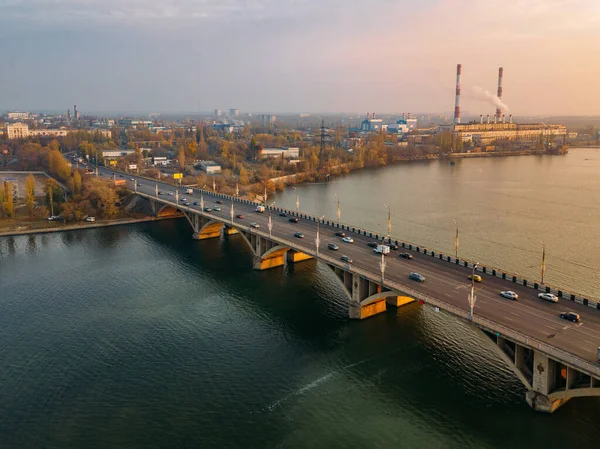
x: 76, y: 183
x: 181, y: 157
x: 244, y: 180
x: 30, y: 194
x: 9, y: 207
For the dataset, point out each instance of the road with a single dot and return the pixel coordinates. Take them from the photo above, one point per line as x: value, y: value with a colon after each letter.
x: 445, y: 281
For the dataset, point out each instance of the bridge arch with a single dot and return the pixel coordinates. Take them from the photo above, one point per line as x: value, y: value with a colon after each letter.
x: 166, y: 210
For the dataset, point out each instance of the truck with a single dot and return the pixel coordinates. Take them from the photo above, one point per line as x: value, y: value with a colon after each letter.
x: 189, y: 191
x: 260, y: 209
x: 119, y: 182
x: 382, y: 249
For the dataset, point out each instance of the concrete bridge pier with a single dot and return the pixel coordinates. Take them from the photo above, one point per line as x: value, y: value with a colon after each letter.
x: 549, y: 383
x: 366, y: 298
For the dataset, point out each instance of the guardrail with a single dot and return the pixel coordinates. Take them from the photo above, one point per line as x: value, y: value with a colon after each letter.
x: 560, y: 355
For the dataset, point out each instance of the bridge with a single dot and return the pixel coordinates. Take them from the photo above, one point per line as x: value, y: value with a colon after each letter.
x: 556, y: 360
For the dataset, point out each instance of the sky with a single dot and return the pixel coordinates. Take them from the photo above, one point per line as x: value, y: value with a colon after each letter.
x: 279, y: 56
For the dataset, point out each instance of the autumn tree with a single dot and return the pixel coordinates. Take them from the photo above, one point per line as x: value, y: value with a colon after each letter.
x: 243, y: 174
x: 8, y: 204
x: 181, y: 157
x: 30, y: 193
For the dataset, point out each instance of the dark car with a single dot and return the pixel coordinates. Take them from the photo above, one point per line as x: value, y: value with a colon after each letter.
x: 340, y: 234
x: 373, y: 244
x: 393, y: 246
x: 160, y: 192
x: 239, y: 216
x: 570, y: 316
x: 196, y: 203
x: 299, y: 235
x: 333, y: 246
x: 346, y: 259
x: 120, y: 176
x: 294, y: 219
x: 417, y: 277
x: 207, y: 209
x: 282, y: 214
x: 219, y: 202
x: 406, y: 256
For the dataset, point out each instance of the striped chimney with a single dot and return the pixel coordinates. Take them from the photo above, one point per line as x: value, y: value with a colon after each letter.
x: 457, y: 100
x: 500, y: 75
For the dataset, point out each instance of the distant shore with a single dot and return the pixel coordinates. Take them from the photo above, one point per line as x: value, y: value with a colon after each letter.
x: 20, y: 228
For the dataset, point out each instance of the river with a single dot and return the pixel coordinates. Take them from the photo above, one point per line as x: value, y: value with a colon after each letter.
x: 138, y: 336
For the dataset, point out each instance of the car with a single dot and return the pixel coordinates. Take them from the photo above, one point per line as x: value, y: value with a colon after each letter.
x: 196, y: 203
x: 348, y: 240
x: 240, y: 216
x: 160, y: 192
x: 340, y: 234
x: 217, y: 208
x: 53, y: 218
x: 346, y: 259
x: 90, y: 219
x: 182, y: 200
x: 219, y: 202
x: 548, y: 297
x: 254, y: 225
x: 393, y: 246
x: 416, y: 277
x: 333, y: 247
x: 508, y: 294
x: 474, y: 277
x: 298, y: 235
x: 131, y: 179
x: 294, y: 220
x: 282, y: 214
x: 170, y: 193
x: 570, y: 316
x: 405, y: 256
x: 373, y: 244
x: 207, y: 209
x: 186, y: 204
x: 120, y: 176
x: 139, y: 183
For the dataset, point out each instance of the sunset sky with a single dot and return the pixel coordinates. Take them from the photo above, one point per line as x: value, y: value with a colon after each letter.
x: 299, y: 55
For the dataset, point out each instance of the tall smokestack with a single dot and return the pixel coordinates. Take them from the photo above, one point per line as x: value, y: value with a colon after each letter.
x: 368, y: 116
x: 488, y: 118
x: 510, y: 118
x: 457, y: 101
x: 373, y: 116
x: 500, y: 74
x: 480, y: 118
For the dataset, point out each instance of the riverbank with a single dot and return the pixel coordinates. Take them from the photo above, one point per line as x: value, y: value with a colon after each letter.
x: 50, y: 227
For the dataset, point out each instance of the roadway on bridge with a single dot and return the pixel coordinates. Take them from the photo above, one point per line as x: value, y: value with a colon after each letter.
x: 445, y: 281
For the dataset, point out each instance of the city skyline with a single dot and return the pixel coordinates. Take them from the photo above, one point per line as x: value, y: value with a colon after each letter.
x: 286, y: 56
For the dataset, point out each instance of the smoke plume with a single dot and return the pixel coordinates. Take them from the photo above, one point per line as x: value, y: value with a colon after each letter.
x: 483, y: 94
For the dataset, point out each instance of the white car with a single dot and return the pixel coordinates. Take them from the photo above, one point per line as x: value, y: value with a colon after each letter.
x: 509, y: 295
x: 90, y: 219
x: 348, y: 240
x: 170, y: 193
x: 254, y: 225
x: 548, y: 297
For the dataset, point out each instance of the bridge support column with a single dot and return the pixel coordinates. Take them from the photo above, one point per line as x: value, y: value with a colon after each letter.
x: 544, y: 375
x: 361, y: 289
x: 398, y: 301
x: 296, y: 256
x: 267, y: 254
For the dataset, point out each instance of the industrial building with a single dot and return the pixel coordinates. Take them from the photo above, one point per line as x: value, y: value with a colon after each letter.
x: 488, y: 131
x: 210, y: 167
x: 21, y: 130
x: 284, y: 152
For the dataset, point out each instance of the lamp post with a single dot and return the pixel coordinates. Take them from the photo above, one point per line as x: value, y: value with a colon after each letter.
x: 472, y: 298
x: 270, y: 223
x: 297, y: 202
x: 317, y: 239
x: 156, y: 190
x: 232, y: 210
x: 389, y: 223
x: 543, y: 261
x: 456, y: 241
x: 339, y: 211
x: 265, y: 196
x: 214, y: 185
x: 382, y: 267
x: 237, y: 189
x: 177, y: 196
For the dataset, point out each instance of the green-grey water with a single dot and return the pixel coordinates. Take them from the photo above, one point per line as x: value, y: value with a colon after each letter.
x: 139, y: 336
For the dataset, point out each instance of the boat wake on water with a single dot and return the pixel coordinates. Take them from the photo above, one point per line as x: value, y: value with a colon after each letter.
x: 324, y: 379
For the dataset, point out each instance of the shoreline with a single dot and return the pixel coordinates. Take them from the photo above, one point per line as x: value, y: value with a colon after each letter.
x: 79, y: 227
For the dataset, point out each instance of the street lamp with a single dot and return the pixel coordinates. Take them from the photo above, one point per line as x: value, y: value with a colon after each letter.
x: 472, y: 295
x: 389, y: 223
x: 156, y: 190
x: 297, y: 202
x: 339, y: 211
x: 270, y: 223
x: 318, y: 240
x: 543, y: 261
x: 232, y: 210
x: 382, y: 267
x: 456, y: 241
x: 214, y: 185
x: 265, y: 197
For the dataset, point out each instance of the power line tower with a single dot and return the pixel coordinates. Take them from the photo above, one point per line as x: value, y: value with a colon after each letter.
x: 322, y: 154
